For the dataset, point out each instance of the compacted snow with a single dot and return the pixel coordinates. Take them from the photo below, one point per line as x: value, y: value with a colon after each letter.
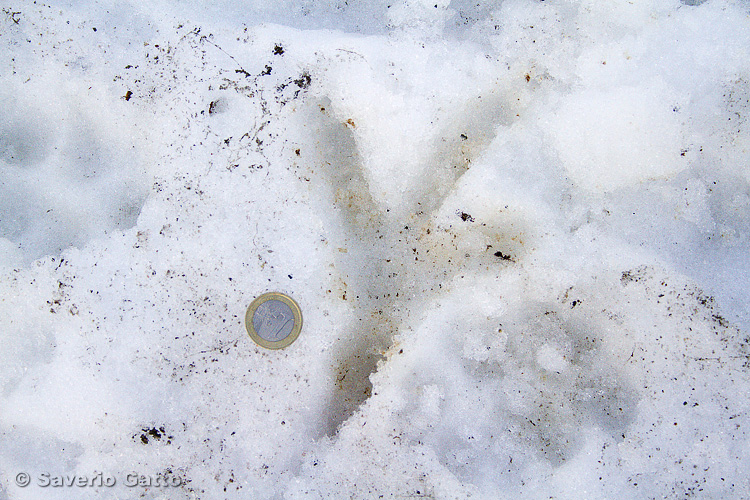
x: 518, y: 232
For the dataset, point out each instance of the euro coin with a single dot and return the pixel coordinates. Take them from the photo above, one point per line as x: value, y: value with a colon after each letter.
x: 273, y: 320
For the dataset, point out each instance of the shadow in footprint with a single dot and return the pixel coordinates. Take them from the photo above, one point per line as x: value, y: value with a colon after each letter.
x: 379, y: 264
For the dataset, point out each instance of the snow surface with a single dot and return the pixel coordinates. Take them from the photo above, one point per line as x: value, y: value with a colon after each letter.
x: 518, y: 231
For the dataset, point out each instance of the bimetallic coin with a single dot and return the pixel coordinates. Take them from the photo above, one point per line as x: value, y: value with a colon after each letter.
x: 273, y: 320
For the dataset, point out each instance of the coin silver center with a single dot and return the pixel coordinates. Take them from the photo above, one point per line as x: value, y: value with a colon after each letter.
x: 273, y: 320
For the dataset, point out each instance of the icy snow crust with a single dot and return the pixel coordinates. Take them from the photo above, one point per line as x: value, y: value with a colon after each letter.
x: 518, y: 233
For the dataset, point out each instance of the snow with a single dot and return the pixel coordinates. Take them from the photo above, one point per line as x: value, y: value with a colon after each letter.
x: 517, y: 231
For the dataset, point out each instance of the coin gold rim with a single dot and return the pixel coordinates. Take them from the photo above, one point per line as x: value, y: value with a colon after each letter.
x: 289, y: 339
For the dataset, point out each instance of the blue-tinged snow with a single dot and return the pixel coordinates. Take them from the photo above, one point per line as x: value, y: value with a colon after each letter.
x: 517, y: 230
